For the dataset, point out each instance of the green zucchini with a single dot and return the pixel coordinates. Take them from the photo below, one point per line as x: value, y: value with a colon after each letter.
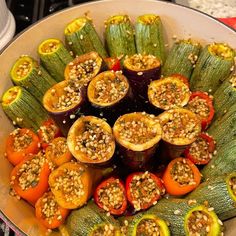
x: 223, y: 162
x: 219, y: 194
x: 214, y: 65
x: 149, y: 36
x: 22, y: 108
x: 181, y: 58
x: 86, y: 220
x: 81, y: 37
x: 223, y: 129
x: 144, y: 224
x: 26, y: 72
x: 181, y: 216
x: 54, y: 57
x: 225, y: 96
x: 119, y: 36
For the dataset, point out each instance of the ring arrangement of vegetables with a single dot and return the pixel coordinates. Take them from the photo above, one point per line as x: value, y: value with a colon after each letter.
x: 89, y: 141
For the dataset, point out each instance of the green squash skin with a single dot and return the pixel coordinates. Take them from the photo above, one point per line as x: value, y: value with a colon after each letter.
x: 85, y: 40
x: 120, y: 39
x: 215, y: 192
x: 224, y: 98
x: 177, y: 61
x: 210, y: 72
x: 27, y: 108
x: 149, y: 39
x: 223, y: 162
x: 223, y: 130
x: 83, y: 221
x: 56, y: 62
x: 37, y: 82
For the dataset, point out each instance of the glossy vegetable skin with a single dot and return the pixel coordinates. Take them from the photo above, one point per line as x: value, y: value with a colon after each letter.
x: 205, y: 121
x: 55, y: 221
x: 175, y: 188
x: 33, y: 193
x: 57, y: 152
x: 145, y: 205
x: 103, y: 185
x: 113, y: 63
x: 47, y: 132
x: 14, y: 155
x: 211, y: 148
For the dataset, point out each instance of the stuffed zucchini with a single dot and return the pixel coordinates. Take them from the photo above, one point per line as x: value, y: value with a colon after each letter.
x: 26, y: 72
x: 214, y: 65
x: 149, y: 36
x: 81, y: 37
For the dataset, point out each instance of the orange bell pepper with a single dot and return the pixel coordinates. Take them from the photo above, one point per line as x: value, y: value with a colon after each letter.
x: 29, y: 179
x: 172, y: 186
x: 49, y: 213
x: 20, y: 143
x: 57, y: 152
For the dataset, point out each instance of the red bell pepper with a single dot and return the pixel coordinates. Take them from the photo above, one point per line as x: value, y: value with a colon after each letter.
x: 20, y: 143
x: 143, y: 189
x: 110, y: 195
x: 205, y: 120
x: 113, y: 63
x: 200, y: 151
x: 181, y: 77
x: 181, y: 176
x: 47, y: 132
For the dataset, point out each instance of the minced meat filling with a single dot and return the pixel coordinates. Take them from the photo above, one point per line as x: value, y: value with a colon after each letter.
x: 148, y: 227
x: 59, y: 148
x: 199, y: 106
x: 199, y: 223
x: 20, y: 141
x: 111, y: 196
x: 182, y: 173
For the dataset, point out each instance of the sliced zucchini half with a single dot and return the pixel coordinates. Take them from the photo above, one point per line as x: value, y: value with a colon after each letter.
x: 91, y: 141
x: 81, y: 37
x: 22, y: 108
x: 84, y: 68
x: 167, y: 93
x: 214, y: 65
x: 54, y: 57
x: 26, y: 72
x: 149, y: 36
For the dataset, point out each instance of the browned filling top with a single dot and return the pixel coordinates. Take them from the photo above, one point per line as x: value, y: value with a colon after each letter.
x: 109, y: 89
x: 232, y: 184
x: 168, y: 95
x: 23, y: 69
x: 71, y: 95
x: 182, y: 173
x: 139, y: 62
x: 70, y: 183
x: 148, y: 227
x: 50, y: 208
x: 82, y: 71
x: 136, y: 131
x: 111, y: 196
x: 48, y: 132
x: 199, y: 223
x: 94, y: 141
x: 20, y: 141
x: 104, y: 230
x: 199, y: 149
x: 143, y: 190
x: 29, y: 172
x: 180, y: 125
x: 199, y: 106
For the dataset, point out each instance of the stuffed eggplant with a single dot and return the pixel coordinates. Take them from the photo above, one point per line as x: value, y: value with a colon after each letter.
x: 109, y: 92
x: 180, y: 128
x: 83, y: 68
x: 65, y: 102
x: 167, y: 93
x: 140, y: 71
x: 138, y: 135
x: 90, y: 140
